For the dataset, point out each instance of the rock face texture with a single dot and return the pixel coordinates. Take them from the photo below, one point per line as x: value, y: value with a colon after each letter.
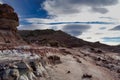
x: 8, y: 26
x: 8, y: 18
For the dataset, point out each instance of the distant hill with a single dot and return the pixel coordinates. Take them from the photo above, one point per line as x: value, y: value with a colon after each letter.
x: 51, y: 37
x: 59, y: 38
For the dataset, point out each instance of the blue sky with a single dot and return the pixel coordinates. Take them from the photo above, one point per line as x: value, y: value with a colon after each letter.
x: 91, y: 20
x: 28, y: 8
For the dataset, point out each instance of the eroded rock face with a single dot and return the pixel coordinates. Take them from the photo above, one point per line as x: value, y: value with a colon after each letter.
x: 22, y: 71
x: 8, y: 18
x: 8, y: 26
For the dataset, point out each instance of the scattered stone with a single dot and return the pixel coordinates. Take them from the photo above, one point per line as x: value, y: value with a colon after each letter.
x: 99, y: 51
x: 92, y: 49
x: 118, y: 71
x: 68, y: 72
x: 79, y: 61
x: 86, y: 76
x: 54, y: 59
x: 65, y: 52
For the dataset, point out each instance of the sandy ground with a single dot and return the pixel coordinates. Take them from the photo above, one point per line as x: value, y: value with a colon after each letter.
x: 72, y: 70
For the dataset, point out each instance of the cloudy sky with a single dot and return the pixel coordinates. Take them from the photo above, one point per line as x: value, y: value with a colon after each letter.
x: 91, y: 20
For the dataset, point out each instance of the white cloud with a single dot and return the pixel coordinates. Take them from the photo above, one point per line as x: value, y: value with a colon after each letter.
x: 75, y: 6
x: 1, y: 1
x: 74, y: 11
x: 95, y: 34
x: 82, y: 12
x: 33, y: 27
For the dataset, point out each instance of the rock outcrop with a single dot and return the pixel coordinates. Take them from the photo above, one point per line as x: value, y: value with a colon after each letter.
x: 8, y: 18
x: 8, y: 26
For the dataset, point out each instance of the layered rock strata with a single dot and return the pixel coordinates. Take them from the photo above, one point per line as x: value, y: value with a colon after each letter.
x: 8, y: 26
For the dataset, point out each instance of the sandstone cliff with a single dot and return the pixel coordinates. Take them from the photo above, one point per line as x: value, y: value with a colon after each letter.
x: 8, y: 26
